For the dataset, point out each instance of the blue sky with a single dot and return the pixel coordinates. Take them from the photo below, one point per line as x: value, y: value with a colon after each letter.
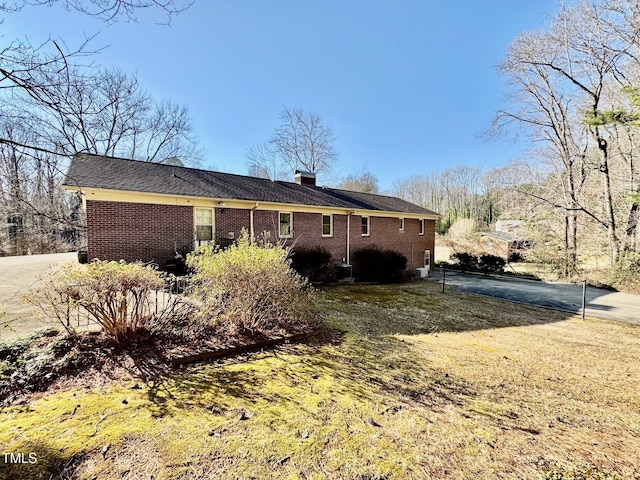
x: 408, y: 86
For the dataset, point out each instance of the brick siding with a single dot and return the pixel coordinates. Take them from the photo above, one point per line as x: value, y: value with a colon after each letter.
x: 137, y: 231
x: 384, y: 232
x: 229, y: 223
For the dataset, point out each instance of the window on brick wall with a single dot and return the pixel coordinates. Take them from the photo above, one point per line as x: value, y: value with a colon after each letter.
x: 327, y: 225
x: 421, y: 227
x: 204, y: 226
x: 286, y: 224
x: 365, y: 227
x: 401, y: 227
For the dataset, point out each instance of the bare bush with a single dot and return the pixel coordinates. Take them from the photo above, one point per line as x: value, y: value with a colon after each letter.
x: 250, y: 286
x: 115, y: 294
x: 462, y: 236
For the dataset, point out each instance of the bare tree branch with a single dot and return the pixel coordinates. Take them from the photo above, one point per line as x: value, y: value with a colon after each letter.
x: 304, y: 142
x: 108, y: 11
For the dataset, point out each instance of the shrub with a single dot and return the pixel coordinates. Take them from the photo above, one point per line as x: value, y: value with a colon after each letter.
x: 372, y: 264
x: 466, y: 261
x: 625, y: 274
x: 115, y: 294
x: 313, y: 263
x: 491, y: 264
x: 515, y: 257
x: 249, y: 286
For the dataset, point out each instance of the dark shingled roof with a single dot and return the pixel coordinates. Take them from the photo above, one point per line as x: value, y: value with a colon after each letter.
x: 506, y: 236
x: 94, y: 171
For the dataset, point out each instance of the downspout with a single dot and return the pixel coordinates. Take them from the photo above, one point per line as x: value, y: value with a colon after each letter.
x: 251, y: 231
x: 412, y: 264
x: 349, y: 213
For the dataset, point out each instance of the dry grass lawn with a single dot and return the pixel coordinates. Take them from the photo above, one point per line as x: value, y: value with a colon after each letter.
x: 419, y: 384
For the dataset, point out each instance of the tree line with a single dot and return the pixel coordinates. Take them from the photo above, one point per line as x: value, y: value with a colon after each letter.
x: 570, y: 87
x: 573, y: 94
x: 55, y: 104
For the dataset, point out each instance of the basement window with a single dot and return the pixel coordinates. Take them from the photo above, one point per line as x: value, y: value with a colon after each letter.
x: 327, y: 225
x: 365, y: 226
x: 286, y: 224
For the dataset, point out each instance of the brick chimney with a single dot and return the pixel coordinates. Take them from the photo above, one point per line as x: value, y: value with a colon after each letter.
x: 305, y: 178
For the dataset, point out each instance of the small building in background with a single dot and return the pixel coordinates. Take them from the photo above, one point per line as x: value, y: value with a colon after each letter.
x: 507, y: 241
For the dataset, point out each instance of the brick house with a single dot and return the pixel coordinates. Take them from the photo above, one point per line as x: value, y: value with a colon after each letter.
x: 148, y: 211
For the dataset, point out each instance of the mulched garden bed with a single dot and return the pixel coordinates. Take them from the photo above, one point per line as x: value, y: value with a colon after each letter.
x: 52, y: 360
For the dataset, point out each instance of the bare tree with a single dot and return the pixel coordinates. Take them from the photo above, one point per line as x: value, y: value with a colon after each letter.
x: 302, y: 141
x: 38, y: 70
x: 454, y: 193
x: 562, y: 76
x: 567, y: 83
x: 264, y: 162
x: 364, y: 181
x: 20, y: 58
x: 542, y: 104
x: 420, y: 190
x: 104, y: 112
x: 621, y: 124
x: 39, y: 216
x: 53, y: 106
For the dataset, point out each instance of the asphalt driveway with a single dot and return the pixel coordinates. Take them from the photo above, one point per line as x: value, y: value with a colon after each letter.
x: 17, y: 276
x: 558, y: 296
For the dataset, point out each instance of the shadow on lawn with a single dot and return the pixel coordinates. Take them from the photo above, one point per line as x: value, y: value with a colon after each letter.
x: 421, y: 308
x: 39, y: 460
x: 379, y: 370
x: 357, y: 350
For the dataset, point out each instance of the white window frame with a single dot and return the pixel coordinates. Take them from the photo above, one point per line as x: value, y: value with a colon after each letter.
x: 368, y: 219
x: 330, y: 215
x: 290, y: 234
x: 421, y: 226
x: 196, y: 225
x: 401, y: 224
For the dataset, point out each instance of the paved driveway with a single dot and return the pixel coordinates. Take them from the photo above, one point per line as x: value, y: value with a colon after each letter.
x: 17, y: 276
x: 559, y: 296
